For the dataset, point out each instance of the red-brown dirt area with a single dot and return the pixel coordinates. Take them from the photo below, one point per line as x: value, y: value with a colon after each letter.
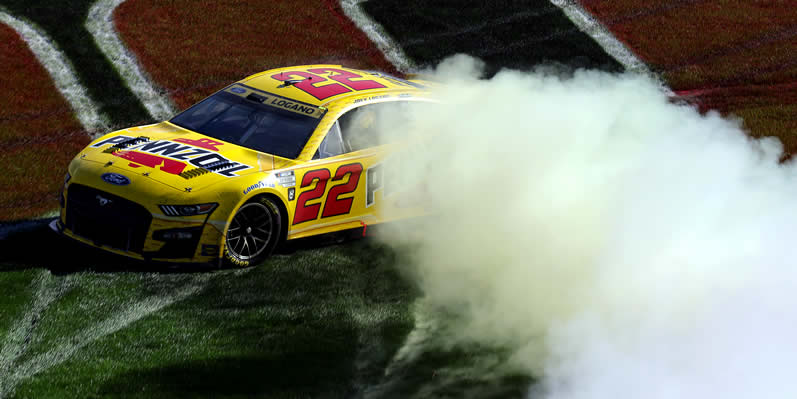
x: 38, y: 133
x: 192, y: 48
x: 735, y: 57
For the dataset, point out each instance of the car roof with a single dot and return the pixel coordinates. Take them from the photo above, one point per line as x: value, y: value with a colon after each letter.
x: 274, y: 81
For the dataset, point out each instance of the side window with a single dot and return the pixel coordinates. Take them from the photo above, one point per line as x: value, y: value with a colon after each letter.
x: 360, y: 127
x: 332, y: 144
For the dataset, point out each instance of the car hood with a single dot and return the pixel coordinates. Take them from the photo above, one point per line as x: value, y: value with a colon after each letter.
x: 176, y: 157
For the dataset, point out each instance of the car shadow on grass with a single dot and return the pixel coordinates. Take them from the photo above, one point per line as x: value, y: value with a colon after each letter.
x: 298, y: 369
x: 318, y: 323
x: 32, y: 244
x: 262, y: 375
x: 314, y: 320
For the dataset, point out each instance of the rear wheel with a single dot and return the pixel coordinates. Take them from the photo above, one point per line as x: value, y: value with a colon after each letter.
x: 253, y: 233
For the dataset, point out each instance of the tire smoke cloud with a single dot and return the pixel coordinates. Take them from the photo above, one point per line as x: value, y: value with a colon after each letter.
x: 615, y: 243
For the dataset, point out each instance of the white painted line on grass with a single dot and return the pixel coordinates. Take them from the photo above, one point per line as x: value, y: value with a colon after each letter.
x: 392, y: 51
x: 100, y: 24
x: 61, y: 71
x: 369, y: 318
x: 589, y: 25
x: 67, y: 347
x: 604, y: 37
x: 425, y: 336
x: 419, y: 339
x: 18, y: 338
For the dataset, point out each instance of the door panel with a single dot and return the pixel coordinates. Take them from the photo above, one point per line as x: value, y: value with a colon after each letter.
x: 332, y: 191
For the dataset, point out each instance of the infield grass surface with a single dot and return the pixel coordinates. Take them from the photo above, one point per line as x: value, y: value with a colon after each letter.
x: 319, y: 322
x: 315, y: 320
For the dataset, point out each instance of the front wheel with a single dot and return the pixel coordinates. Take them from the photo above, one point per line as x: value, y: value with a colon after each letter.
x: 253, y: 233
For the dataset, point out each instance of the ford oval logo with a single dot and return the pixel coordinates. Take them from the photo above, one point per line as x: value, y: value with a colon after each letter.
x: 239, y: 90
x: 115, y: 178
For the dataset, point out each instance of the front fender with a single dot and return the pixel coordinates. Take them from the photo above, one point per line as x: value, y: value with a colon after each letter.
x: 254, y: 190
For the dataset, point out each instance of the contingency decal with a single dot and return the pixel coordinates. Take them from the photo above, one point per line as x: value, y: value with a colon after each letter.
x: 260, y: 184
x: 334, y: 204
x: 312, y: 83
x: 172, y: 155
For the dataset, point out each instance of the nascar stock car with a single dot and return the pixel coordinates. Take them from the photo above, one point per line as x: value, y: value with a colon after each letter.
x: 280, y: 155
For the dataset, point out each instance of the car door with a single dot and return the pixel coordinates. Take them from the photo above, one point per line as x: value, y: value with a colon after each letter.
x: 356, y: 177
x: 332, y: 189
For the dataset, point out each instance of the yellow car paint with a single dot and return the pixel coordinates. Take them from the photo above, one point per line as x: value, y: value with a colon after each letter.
x: 141, y: 169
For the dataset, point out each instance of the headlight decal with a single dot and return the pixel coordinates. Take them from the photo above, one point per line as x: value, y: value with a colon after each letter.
x: 188, y: 210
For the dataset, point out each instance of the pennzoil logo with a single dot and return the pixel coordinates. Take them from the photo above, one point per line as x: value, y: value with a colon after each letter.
x: 171, y: 155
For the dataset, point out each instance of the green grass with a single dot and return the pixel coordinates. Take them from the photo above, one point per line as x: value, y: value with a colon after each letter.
x: 17, y: 288
x: 315, y: 323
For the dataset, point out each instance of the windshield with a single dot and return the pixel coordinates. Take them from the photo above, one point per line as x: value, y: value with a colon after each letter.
x: 253, y: 119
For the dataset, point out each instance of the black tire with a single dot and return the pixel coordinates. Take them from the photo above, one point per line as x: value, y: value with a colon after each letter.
x: 253, y: 233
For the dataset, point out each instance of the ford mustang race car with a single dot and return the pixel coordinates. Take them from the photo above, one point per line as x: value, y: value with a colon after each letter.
x: 280, y: 155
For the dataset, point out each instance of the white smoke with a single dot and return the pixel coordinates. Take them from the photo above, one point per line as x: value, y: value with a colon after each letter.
x: 619, y: 245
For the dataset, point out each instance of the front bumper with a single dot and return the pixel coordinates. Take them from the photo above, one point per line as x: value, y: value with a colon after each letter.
x: 112, y: 223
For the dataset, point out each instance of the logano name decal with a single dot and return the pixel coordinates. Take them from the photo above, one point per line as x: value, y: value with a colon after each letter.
x: 164, y: 153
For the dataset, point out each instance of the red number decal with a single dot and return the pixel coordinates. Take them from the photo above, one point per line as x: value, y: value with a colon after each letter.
x: 306, y: 212
x: 346, y: 77
x: 339, y: 206
x: 334, y: 205
x: 310, y: 83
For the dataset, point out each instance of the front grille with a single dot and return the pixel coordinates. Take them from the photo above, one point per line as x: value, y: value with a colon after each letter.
x: 106, y: 219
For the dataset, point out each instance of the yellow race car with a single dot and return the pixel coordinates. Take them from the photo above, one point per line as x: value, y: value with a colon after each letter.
x: 283, y: 154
